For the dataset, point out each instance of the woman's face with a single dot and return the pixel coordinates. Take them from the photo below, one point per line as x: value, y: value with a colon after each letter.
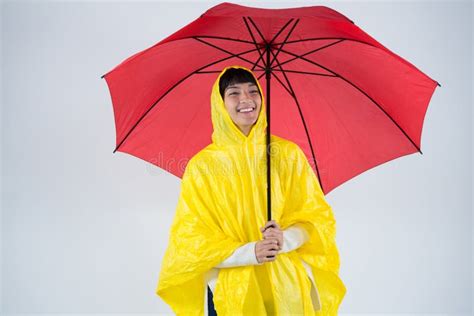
x: 243, y: 102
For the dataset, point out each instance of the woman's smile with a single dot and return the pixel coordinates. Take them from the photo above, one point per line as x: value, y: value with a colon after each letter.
x: 246, y: 110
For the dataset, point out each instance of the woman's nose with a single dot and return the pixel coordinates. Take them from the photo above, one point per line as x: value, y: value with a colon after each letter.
x: 245, y: 96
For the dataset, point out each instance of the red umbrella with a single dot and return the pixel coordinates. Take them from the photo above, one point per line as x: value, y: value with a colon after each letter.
x: 348, y: 102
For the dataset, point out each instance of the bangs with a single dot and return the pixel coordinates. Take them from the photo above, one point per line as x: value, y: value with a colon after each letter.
x: 235, y: 75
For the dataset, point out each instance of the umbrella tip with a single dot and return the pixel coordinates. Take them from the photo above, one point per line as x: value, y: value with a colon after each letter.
x: 102, y: 77
x: 439, y: 85
x: 421, y: 152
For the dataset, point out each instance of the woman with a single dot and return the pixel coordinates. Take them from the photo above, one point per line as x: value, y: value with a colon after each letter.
x: 220, y: 237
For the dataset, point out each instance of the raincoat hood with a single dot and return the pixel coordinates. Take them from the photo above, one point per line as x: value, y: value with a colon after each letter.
x: 222, y: 206
x: 226, y: 133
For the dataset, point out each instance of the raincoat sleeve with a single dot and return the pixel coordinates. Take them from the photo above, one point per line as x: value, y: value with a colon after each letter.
x: 243, y: 256
x: 293, y: 238
x: 306, y: 206
x: 196, y: 244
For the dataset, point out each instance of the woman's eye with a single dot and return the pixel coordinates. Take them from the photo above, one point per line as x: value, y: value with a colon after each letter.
x: 254, y: 91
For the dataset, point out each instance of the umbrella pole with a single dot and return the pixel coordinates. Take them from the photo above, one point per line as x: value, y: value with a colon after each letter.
x: 268, y: 144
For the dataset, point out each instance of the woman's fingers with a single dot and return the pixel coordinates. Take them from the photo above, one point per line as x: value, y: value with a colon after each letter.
x: 277, y: 238
x: 267, y: 224
x: 269, y: 255
x: 272, y: 232
x: 271, y: 223
x: 266, y: 250
x: 270, y: 252
x: 278, y: 235
x: 269, y: 230
x: 268, y: 259
x: 270, y: 242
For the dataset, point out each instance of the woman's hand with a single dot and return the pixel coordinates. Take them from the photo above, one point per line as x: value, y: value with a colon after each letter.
x: 266, y: 250
x: 272, y: 230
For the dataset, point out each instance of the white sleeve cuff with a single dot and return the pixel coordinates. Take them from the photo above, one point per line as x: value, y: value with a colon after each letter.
x: 242, y: 256
x: 293, y: 238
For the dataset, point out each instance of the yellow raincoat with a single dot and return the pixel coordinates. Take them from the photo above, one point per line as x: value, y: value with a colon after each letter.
x: 221, y: 207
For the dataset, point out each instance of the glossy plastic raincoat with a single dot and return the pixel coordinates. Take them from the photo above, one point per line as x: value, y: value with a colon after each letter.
x: 221, y: 207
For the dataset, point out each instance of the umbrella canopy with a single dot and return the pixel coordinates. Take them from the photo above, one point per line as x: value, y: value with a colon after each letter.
x: 348, y: 102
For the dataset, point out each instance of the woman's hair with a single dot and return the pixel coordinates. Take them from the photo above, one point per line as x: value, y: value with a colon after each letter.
x: 235, y: 75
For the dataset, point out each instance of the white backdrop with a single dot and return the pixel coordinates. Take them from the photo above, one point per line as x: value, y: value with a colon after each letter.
x: 84, y: 230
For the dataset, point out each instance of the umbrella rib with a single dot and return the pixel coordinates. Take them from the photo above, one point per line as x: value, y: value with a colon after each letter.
x: 347, y: 39
x: 281, y: 30
x: 283, y: 44
x: 304, y: 72
x: 312, y: 51
x: 208, y: 72
x: 256, y: 45
x: 360, y: 90
x: 183, y: 38
x: 258, y: 30
x: 325, y: 38
x: 283, y: 85
x: 226, y: 51
x: 219, y: 71
x: 221, y: 38
x: 274, y: 37
x: 293, y: 94
x: 170, y: 89
x: 263, y: 39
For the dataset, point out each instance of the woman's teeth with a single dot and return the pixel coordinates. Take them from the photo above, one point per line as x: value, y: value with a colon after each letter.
x: 245, y: 110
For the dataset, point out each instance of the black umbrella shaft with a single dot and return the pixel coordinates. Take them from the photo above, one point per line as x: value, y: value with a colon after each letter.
x: 268, y: 144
